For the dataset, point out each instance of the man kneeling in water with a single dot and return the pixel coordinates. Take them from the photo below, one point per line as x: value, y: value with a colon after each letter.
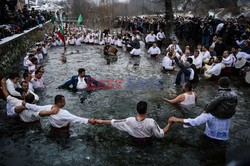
x: 187, y: 99
x: 140, y: 127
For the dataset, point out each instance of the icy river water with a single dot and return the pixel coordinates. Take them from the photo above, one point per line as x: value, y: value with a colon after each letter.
x: 24, y: 144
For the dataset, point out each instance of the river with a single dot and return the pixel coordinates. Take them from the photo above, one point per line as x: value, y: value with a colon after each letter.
x: 25, y: 144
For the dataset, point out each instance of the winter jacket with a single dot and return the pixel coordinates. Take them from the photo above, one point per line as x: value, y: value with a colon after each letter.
x: 223, y: 105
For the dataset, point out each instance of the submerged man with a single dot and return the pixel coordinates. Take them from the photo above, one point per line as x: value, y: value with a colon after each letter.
x: 139, y: 127
x: 80, y: 81
x: 187, y: 99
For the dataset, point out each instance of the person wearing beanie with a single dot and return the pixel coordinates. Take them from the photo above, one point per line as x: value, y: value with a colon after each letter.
x: 217, y: 114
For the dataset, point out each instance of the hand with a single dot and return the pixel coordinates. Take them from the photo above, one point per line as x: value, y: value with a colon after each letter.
x: 170, y: 121
x: 24, y: 103
x: 92, y: 121
x: 3, y: 81
x: 173, y: 119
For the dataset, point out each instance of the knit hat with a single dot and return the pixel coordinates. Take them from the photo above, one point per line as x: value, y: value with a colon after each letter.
x: 224, y: 82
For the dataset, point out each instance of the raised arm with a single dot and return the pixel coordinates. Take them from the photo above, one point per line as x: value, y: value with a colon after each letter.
x: 11, y: 89
x: 5, y: 91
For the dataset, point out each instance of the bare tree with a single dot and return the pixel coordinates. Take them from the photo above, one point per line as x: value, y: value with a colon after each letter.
x: 169, y: 18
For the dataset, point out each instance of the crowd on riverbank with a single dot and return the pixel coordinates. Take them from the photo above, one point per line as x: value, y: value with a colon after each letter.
x: 15, y: 22
x: 193, y: 29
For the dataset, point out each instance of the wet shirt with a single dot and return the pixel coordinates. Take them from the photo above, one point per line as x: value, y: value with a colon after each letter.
x: 12, y: 102
x: 154, y: 51
x: 139, y: 129
x: 229, y: 61
x: 216, y: 70
x: 37, y: 83
x: 11, y: 87
x: 243, y: 55
x: 167, y: 63
x: 189, y: 99
x: 215, y: 128
x: 59, y: 120
x: 197, y: 61
x: 136, y: 52
x: 150, y: 38
x: 81, y: 84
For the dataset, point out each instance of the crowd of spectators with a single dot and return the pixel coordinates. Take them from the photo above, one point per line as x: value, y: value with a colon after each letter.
x: 14, y: 22
x: 233, y: 31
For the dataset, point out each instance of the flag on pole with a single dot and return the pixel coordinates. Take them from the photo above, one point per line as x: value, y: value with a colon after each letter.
x: 53, y: 18
x: 60, y: 34
x: 79, y: 21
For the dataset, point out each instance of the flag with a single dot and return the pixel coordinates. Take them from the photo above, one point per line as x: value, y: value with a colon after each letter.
x: 60, y: 34
x: 79, y: 21
x: 53, y: 19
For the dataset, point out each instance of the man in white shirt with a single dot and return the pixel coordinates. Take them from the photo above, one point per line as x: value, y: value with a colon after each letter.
x: 197, y: 59
x: 206, y: 54
x: 167, y: 62
x: 239, y: 55
x: 37, y: 81
x: 33, y: 66
x: 216, y: 68
x: 12, y: 84
x: 14, y: 105
x: 228, y: 60
x: 25, y: 87
x: 150, y: 39
x: 176, y: 47
x: 27, y: 61
x: 154, y: 51
x: 140, y: 126
x: 58, y: 117
x: 79, y: 40
x: 160, y: 37
x: 185, y: 56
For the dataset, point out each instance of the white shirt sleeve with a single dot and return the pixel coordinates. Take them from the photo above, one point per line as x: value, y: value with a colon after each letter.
x: 203, y: 118
x: 198, y: 61
x: 35, y: 95
x: 119, y: 124
x: 158, y: 132
x: 11, y: 88
x: 178, y: 48
x: 35, y: 108
x: 73, y: 118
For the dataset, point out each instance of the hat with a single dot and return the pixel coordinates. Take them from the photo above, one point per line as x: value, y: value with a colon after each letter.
x: 224, y: 82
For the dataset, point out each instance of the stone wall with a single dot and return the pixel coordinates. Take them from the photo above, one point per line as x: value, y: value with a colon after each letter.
x: 13, y: 51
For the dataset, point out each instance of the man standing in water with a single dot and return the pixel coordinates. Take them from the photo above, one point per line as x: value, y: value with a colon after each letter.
x: 217, y: 114
x: 140, y: 127
x: 58, y: 117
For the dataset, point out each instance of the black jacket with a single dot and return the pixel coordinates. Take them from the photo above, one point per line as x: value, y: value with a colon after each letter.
x: 223, y: 105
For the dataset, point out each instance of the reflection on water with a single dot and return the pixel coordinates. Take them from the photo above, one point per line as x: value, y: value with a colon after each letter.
x: 103, y: 145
